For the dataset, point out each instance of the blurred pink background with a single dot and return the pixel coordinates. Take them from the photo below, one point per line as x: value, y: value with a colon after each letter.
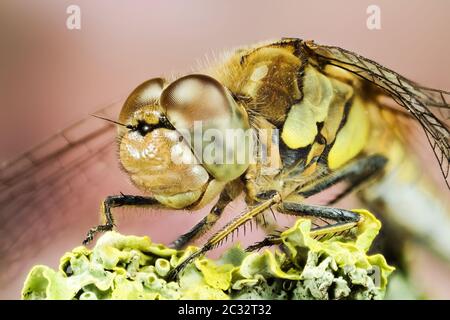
x: 51, y: 76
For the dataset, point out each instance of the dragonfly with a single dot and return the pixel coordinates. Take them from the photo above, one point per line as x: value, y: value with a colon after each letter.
x: 335, y: 126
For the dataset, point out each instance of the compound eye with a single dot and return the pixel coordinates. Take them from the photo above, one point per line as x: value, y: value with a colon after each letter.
x: 200, y: 104
x: 146, y: 93
x: 198, y: 98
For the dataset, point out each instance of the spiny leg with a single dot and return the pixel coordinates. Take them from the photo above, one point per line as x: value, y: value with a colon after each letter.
x: 357, y: 173
x: 206, y: 223
x: 113, y: 202
x: 302, y: 209
x: 270, y: 240
x: 226, y: 231
x: 344, y: 220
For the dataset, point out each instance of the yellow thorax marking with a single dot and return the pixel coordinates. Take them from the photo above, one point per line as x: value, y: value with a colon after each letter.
x: 352, y: 138
x: 300, y: 128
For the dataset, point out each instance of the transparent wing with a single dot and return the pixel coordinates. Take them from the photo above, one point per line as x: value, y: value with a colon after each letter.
x: 44, y: 196
x: 18, y: 176
x: 430, y: 107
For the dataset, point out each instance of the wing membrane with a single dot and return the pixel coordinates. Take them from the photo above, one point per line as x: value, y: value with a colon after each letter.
x: 417, y: 100
x: 49, y: 161
x: 51, y: 191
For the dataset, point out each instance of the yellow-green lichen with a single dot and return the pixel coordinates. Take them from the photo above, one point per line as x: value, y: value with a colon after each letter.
x: 131, y: 267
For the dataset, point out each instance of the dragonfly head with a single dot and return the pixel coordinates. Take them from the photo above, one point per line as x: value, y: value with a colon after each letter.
x: 179, y: 137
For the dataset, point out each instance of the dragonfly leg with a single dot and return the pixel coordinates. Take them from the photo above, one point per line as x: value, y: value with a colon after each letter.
x: 357, y: 173
x: 206, y: 223
x: 268, y: 241
x: 343, y: 220
x: 302, y: 209
x: 221, y: 235
x: 113, y: 202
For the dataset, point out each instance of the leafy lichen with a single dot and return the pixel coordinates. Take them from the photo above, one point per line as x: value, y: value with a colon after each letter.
x: 131, y: 267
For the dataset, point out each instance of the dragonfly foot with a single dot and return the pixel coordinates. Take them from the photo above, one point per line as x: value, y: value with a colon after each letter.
x: 95, y: 230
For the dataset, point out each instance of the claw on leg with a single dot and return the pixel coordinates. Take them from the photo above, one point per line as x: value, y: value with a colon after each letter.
x: 172, y: 275
x: 93, y: 231
x: 113, y: 202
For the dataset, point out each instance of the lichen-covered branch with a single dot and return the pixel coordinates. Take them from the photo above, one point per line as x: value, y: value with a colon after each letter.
x: 131, y: 267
